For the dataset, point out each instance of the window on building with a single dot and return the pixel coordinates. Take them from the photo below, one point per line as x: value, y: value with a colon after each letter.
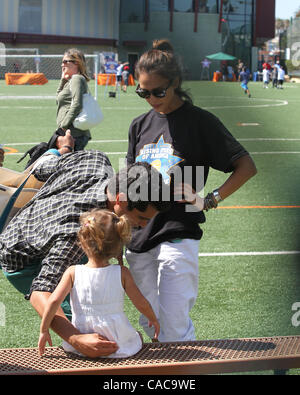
x: 132, y: 11
x: 183, y: 5
x: 159, y: 5
x: 204, y: 6
x: 30, y: 16
x: 209, y: 6
x: 237, y: 6
x: 237, y: 28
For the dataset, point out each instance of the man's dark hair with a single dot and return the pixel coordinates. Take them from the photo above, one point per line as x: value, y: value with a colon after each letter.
x: 142, y: 185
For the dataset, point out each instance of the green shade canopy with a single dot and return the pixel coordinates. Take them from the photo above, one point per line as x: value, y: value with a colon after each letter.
x: 220, y: 56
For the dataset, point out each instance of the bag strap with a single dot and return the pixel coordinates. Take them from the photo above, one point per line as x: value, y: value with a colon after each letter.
x: 14, y: 197
x: 11, y: 202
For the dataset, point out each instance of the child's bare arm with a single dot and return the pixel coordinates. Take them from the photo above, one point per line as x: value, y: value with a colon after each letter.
x: 54, y: 301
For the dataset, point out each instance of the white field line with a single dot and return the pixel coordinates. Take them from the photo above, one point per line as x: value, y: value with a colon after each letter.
x: 92, y: 141
x: 269, y: 139
x: 275, y: 153
x: 251, y: 153
x: 250, y: 253
x: 125, y: 141
x: 274, y: 102
x: 107, y: 153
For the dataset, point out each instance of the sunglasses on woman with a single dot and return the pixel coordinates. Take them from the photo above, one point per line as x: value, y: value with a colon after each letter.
x: 157, y: 92
x: 68, y: 61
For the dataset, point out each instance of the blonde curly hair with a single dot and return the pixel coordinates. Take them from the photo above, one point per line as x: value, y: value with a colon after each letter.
x: 103, y: 234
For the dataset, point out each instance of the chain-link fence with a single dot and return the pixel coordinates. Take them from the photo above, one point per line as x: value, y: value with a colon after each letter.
x: 48, y: 65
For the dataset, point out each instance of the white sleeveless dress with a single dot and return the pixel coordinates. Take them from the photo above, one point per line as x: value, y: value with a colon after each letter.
x: 97, y: 303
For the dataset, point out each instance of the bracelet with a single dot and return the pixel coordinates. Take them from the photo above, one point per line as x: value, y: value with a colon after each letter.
x: 69, y: 147
x: 217, y: 196
x: 209, y: 202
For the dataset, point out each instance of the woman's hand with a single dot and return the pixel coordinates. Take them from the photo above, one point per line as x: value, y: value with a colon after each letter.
x: 65, y: 75
x: 65, y: 144
x: 186, y: 194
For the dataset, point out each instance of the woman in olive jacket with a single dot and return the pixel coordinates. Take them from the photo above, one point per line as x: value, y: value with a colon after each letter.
x: 72, y: 87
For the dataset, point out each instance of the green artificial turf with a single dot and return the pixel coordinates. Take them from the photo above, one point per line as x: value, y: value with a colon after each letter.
x: 239, y: 295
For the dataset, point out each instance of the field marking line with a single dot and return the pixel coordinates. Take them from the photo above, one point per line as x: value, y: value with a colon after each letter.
x: 278, y: 103
x: 39, y: 97
x: 250, y: 253
x: 251, y: 207
x: 26, y: 107
x: 92, y: 141
x: 269, y: 139
x: 248, y: 124
x: 274, y: 102
x: 274, y: 152
x: 124, y: 153
x: 125, y: 141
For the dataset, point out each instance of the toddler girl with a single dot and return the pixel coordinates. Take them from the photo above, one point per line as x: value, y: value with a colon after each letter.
x: 97, y: 288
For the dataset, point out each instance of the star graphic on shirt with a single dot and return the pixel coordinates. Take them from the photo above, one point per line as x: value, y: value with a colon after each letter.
x: 161, y: 156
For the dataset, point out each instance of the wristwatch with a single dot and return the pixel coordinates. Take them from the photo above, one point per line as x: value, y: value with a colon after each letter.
x: 217, y: 196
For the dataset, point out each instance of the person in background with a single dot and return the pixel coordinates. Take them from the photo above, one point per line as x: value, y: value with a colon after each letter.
x: 266, y: 77
x: 224, y: 70
x: 119, y: 75
x: 125, y: 76
x: 281, y: 76
x: 97, y: 288
x: 244, y: 78
x: 274, y: 75
x: 1, y: 156
x: 183, y: 142
x: 69, y: 97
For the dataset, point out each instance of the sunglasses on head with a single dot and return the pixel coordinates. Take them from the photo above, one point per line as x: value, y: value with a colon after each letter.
x: 157, y: 92
x: 68, y: 61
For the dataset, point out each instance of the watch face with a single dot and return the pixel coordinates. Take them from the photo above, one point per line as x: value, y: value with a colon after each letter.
x: 217, y: 196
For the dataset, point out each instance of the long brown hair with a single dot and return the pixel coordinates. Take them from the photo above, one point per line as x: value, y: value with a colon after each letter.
x: 161, y: 60
x: 78, y: 56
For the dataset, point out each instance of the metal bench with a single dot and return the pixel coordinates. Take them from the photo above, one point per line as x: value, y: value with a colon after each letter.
x: 195, y: 357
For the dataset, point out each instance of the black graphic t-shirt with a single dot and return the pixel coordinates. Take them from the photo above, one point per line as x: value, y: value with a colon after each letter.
x: 190, y: 139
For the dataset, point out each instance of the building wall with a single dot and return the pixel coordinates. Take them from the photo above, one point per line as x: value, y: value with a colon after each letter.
x: 192, y: 46
x: 85, y: 18
x: 265, y: 20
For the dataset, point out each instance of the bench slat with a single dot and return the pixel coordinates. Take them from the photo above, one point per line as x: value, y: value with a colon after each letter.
x: 195, y: 357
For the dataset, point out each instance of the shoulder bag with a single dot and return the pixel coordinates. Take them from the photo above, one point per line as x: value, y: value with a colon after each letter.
x: 90, y: 115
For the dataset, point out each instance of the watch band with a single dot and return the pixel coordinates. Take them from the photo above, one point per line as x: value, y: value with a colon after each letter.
x: 69, y: 147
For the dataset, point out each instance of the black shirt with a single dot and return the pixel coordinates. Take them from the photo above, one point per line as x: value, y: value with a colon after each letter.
x: 191, y: 139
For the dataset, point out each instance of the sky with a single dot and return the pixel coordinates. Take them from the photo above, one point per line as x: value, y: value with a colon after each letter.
x: 285, y: 9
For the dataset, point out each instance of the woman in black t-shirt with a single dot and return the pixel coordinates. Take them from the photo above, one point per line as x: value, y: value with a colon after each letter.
x: 182, y: 141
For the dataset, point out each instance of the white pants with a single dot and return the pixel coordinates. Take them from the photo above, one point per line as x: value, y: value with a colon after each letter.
x: 167, y: 276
